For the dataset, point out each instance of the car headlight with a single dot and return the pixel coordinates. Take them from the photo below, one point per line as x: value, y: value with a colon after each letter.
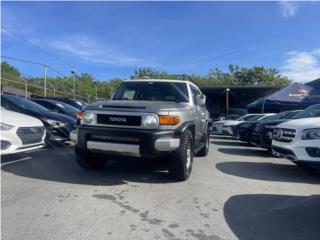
x: 88, y: 117
x: 55, y: 123
x: 310, y: 134
x: 5, y: 127
x: 150, y: 121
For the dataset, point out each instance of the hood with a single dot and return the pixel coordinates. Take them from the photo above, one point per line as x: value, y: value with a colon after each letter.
x: 131, y: 105
x: 19, y: 119
x: 302, y: 123
x: 227, y: 122
x: 272, y: 122
x: 54, y: 116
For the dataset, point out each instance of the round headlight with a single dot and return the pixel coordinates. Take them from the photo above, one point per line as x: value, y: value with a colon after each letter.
x: 150, y: 121
x: 88, y: 117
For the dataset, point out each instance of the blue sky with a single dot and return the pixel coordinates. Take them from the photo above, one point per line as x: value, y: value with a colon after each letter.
x: 109, y: 39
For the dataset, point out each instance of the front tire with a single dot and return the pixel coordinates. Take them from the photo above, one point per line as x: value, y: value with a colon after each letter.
x: 180, y: 162
x: 88, y: 160
x: 204, y: 151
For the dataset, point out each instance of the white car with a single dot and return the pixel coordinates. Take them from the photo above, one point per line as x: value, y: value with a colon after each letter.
x: 20, y: 133
x: 218, y: 128
x: 298, y: 140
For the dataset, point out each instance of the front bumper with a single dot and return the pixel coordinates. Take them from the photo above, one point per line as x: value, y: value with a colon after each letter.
x: 11, y: 143
x: 244, y: 134
x: 127, y: 142
x: 261, y: 139
x: 58, y: 133
x: 298, y: 150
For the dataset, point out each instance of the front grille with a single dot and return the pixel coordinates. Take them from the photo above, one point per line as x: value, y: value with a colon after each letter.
x: 122, y: 120
x: 284, y: 134
x: 30, y: 135
x: 113, y: 139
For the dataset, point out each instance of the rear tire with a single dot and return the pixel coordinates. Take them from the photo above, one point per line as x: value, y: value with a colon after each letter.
x: 180, y: 161
x: 88, y: 160
x: 204, y: 151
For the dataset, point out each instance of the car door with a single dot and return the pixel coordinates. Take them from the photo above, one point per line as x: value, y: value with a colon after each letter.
x: 199, y: 115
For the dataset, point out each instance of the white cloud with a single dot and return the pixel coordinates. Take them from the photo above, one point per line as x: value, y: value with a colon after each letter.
x: 288, y: 8
x: 302, y: 66
x: 92, y: 50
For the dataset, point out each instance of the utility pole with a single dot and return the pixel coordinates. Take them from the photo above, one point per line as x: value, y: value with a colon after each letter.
x: 73, y: 71
x: 45, y: 80
x: 227, y: 99
x: 95, y: 87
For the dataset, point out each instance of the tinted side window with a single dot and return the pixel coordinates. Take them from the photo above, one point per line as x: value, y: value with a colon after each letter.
x: 195, y: 93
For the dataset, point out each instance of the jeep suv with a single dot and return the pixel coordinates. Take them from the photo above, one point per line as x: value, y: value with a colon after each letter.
x: 146, y: 119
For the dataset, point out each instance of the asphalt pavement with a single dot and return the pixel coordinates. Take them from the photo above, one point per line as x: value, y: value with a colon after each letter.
x: 236, y: 192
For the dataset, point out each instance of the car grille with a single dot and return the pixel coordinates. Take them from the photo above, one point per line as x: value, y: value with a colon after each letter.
x: 284, y: 134
x: 122, y: 120
x: 30, y: 135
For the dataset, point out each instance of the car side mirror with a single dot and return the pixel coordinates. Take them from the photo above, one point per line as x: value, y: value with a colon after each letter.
x: 201, y: 100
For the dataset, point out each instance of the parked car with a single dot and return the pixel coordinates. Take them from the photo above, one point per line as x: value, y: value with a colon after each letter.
x: 298, y: 140
x: 235, y: 113
x: 217, y: 127
x: 57, y: 106
x: 72, y: 102
x: 262, y: 133
x: 58, y: 126
x: 148, y: 119
x: 20, y: 132
x: 243, y: 130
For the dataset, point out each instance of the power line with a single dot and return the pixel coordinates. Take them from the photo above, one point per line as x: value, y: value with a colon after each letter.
x: 36, y: 63
x: 35, y: 45
x: 22, y: 60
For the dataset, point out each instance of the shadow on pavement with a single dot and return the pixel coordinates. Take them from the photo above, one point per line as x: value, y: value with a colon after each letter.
x: 266, y: 216
x: 59, y: 165
x: 246, y: 152
x: 223, y: 137
x: 230, y: 143
x: 268, y: 171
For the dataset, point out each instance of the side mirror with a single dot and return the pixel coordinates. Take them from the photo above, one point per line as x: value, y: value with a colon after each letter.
x: 201, y: 100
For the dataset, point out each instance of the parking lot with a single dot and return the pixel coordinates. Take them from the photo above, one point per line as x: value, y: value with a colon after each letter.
x: 236, y: 192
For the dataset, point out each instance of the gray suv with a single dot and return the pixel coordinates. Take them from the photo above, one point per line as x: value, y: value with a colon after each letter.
x: 147, y: 119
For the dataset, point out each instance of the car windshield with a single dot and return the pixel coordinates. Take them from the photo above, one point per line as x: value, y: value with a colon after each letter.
x: 313, y: 111
x: 246, y: 117
x: 26, y: 104
x: 254, y: 118
x: 66, y: 107
x: 152, y: 91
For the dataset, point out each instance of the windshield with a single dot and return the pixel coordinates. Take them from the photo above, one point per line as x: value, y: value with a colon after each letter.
x: 246, y: 117
x: 66, y: 107
x: 152, y: 91
x: 313, y: 111
x: 26, y: 104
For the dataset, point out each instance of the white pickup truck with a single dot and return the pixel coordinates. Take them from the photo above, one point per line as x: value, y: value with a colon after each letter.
x: 298, y: 140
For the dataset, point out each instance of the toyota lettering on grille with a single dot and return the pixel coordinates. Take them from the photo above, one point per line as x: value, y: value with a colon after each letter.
x: 118, y: 119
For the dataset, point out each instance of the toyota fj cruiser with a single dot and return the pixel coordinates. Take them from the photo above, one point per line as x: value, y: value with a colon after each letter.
x: 147, y: 119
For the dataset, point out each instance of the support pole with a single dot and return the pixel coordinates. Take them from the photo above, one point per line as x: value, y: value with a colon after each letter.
x: 45, y: 80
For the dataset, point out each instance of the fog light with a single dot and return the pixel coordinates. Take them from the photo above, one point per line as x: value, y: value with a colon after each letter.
x: 5, y: 144
x: 313, y: 152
